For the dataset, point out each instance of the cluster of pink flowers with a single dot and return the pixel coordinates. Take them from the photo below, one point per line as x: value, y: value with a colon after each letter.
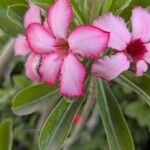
x: 55, y: 53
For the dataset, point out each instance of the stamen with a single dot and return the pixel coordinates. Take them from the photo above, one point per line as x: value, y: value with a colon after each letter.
x: 37, y: 63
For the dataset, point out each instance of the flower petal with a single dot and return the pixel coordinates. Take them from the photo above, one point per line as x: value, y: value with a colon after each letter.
x: 119, y: 34
x: 88, y: 41
x: 141, y: 24
x: 59, y: 18
x: 32, y: 67
x: 50, y: 68
x: 141, y: 67
x: 21, y: 46
x: 147, y: 54
x: 39, y: 39
x: 72, y: 77
x: 32, y: 15
x: 110, y: 67
x: 46, y: 26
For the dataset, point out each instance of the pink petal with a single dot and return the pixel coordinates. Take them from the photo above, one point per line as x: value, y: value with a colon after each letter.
x: 141, y: 67
x: 110, y: 67
x: 50, y: 68
x: 88, y: 41
x: 72, y: 77
x: 46, y: 25
x: 147, y: 54
x: 119, y: 34
x: 32, y: 67
x: 59, y: 18
x: 21, y: 46
x: 32, y: 15
x: 39, y: 39
x: 141, y: 24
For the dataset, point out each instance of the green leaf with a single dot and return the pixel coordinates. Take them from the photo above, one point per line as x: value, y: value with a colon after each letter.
x: 107, y: 5
x: 43, y: 1
x: 4, y: 95
x: 117, y: 132
x: 29, y: 99
x: 6, y: 3
x: 3, y: 40
x: 11, y: 16
x: 77, y: 12
x: 140, y: 85
x: 92, y: 9
x: 139, y: 111
x: 123, y: 7
x: 18, y: 7
x: 144, y: 3
x: 6, y: 136
x: 126, y: 7
x: 10, y: 26
x: 127, y: 13
x: 120, y: 5
x: 58, y: 124
x: 21, y: 81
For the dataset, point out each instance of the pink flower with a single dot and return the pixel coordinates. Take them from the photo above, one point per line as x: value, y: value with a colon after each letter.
x: 54, y: 51
x: 129, y: 47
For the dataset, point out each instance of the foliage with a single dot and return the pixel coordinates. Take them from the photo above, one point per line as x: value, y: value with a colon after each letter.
x: 123, y: 104
x: 6, y: 135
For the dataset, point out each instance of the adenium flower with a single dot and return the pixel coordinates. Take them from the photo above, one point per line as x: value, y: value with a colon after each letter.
x: 130, y: 48
x: 54, y: 52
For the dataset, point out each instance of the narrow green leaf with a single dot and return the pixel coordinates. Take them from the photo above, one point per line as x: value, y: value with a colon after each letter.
x: 58, y: 124
x: 19, y: 12
x: 120, y: 5
x: 123, y: 7
x: 10, y: 26
x: 80, y: 3
x: 43, y: 1
x: 139, y: 85
x: 77, y: 12
x: 29, y: 99
x: 117, y: 132
x: 92, y: 9
x: 127, y: 12
x: 144, y: 3
x: 6, y: 136
x: 11, y: 16
x: 107, y: 5
x: 6, y: 3
x: 3, y: 40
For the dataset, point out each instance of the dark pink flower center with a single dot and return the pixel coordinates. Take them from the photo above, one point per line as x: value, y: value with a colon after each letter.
x: 62, y: 47
x: 136, y: 49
